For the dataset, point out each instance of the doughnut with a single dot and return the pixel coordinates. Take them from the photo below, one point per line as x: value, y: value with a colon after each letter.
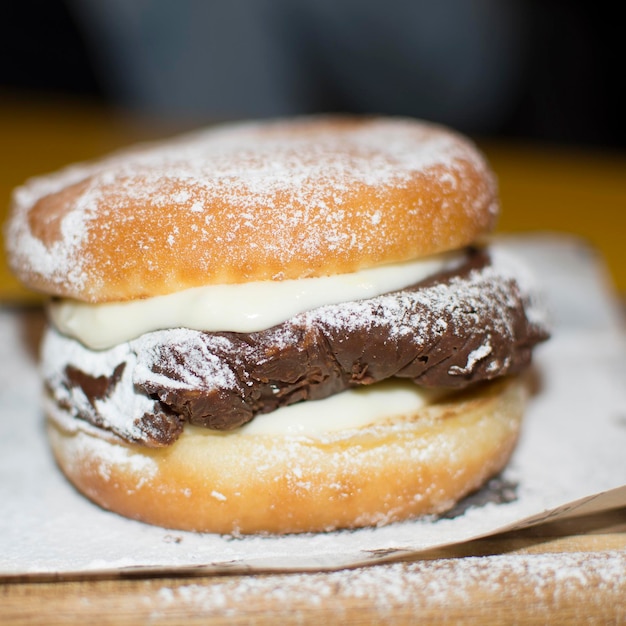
x: 413, y: 465
x: 274, y: 201
x: 284, y: 326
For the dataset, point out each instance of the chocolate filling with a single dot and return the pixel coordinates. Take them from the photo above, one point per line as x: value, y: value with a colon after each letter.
x: 449, y: 331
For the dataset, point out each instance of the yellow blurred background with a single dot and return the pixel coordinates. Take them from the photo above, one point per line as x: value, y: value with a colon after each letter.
x: 543, y: 188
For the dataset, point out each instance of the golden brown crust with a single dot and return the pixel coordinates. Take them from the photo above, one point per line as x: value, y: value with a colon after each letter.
x: 308, y: 197
x: 249, y: 484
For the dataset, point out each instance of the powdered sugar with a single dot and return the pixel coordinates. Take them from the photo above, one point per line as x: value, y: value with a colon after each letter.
x: 110, y: 455
x: 474, y: 357
x: 201, y: 359
x: 546, y: 580
x: 119, y: 411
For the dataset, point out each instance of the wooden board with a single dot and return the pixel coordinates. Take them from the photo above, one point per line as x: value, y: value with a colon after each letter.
x: 560, y: 573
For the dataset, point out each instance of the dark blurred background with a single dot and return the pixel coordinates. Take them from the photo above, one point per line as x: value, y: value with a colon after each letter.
x: 539, y: 70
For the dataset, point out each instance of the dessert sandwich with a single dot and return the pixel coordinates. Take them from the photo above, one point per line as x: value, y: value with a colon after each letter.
x: 277, y: 327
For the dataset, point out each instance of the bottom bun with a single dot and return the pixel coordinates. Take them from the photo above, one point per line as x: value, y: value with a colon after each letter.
x: 238, y: 484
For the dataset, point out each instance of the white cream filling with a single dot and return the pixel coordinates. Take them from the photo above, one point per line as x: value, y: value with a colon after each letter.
x: 246, y: 307
x: 350, y: 409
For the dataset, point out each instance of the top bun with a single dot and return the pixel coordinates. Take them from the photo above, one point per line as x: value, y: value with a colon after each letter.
x: 255, y: 201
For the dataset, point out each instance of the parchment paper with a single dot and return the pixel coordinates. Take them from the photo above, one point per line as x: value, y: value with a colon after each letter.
x: 571, y: 458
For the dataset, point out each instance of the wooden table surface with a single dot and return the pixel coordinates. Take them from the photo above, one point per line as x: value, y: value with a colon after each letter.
x: 566, y: 572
